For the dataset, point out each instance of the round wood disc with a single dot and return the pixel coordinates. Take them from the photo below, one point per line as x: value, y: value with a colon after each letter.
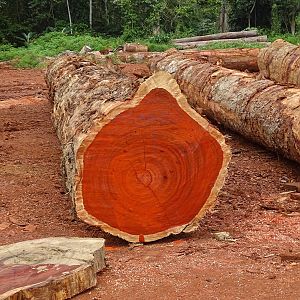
x: 150, y: 169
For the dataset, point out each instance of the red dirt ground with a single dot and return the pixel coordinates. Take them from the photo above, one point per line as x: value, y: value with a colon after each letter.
x: 262, y: 263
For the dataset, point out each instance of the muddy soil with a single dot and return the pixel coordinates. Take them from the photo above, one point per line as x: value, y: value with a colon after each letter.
x: 261, y: 260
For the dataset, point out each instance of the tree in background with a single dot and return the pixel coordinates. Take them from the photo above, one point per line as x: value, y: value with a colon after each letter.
x: 288, y: 11
x: 148, y: 17
x: 144, y: 18
x: 91, y: 15
x: 254, y: 13
x: 223, y: 24
x: 70, y: 17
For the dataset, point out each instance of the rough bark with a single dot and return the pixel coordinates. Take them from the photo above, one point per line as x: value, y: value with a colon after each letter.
x: 218, y: 36
x: 281, y: 63
x: 260, y: 110
x: 135, y: 156
x: 256, y: 39
x: 238, y: 59
x: 53, y: 268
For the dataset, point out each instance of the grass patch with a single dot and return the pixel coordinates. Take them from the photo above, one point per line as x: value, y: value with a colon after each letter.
x: 293, y: 39
x: 51, y: 44
x: 222, y: 45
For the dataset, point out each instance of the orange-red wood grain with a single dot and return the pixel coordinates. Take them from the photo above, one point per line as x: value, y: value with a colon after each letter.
x: 151, y: 168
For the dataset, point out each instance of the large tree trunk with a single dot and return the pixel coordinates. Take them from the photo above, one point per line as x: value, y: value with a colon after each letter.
x: 238, y: 59
x: 258, y: 109
x: 224, y: 26
x: 256, y: 39
x: 70, y: 17
x: 91, y: 15
x: 140, y: 163
x: 218, y: 36
x: 281, y: 63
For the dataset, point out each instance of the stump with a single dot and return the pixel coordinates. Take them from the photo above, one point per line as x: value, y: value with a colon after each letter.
x: 260, y: 110
x: 140, y: 162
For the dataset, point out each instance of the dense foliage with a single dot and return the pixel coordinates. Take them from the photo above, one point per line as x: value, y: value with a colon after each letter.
x: 140, y: 18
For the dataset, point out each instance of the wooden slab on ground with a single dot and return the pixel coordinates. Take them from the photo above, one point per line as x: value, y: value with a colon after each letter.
x: 51, y: 268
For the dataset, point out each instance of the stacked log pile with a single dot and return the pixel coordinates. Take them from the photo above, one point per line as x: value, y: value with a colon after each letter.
x: 227, y: 37
x: 139, y: 161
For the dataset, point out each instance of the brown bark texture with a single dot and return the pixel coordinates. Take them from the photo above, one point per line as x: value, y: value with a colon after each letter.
x: 133, y: 153
x: 218, y: 36
x: 260, y: 110
x: 82, y: 93
x: 257, y: 39
x: 281, y: 62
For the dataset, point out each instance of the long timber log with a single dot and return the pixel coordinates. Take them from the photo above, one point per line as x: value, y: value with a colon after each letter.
x: 140, y: 163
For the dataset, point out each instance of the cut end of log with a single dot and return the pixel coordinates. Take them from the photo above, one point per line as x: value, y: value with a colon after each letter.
x: 151, y: 167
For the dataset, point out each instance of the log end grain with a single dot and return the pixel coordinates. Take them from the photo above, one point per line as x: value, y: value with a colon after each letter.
x: 152, y: 167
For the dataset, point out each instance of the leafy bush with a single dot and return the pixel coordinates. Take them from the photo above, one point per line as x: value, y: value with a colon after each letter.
x: 53, y: 43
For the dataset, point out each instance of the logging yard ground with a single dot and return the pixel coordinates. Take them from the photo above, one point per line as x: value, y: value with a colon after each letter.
x: 260, y: 261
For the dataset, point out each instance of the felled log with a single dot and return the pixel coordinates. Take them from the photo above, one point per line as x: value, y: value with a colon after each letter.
x: 140, y: 163
x: 218, y: 36
x: 135, y: 48
x: 257, y: 39
x: 267, y: 113
x: 281, y: 63
x: 52, y: 268
x: 238, y: 59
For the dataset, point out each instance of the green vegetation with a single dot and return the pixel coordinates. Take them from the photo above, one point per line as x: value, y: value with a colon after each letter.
x: 51, y: 44
x: 220, y: 45
x: 31, y: 30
